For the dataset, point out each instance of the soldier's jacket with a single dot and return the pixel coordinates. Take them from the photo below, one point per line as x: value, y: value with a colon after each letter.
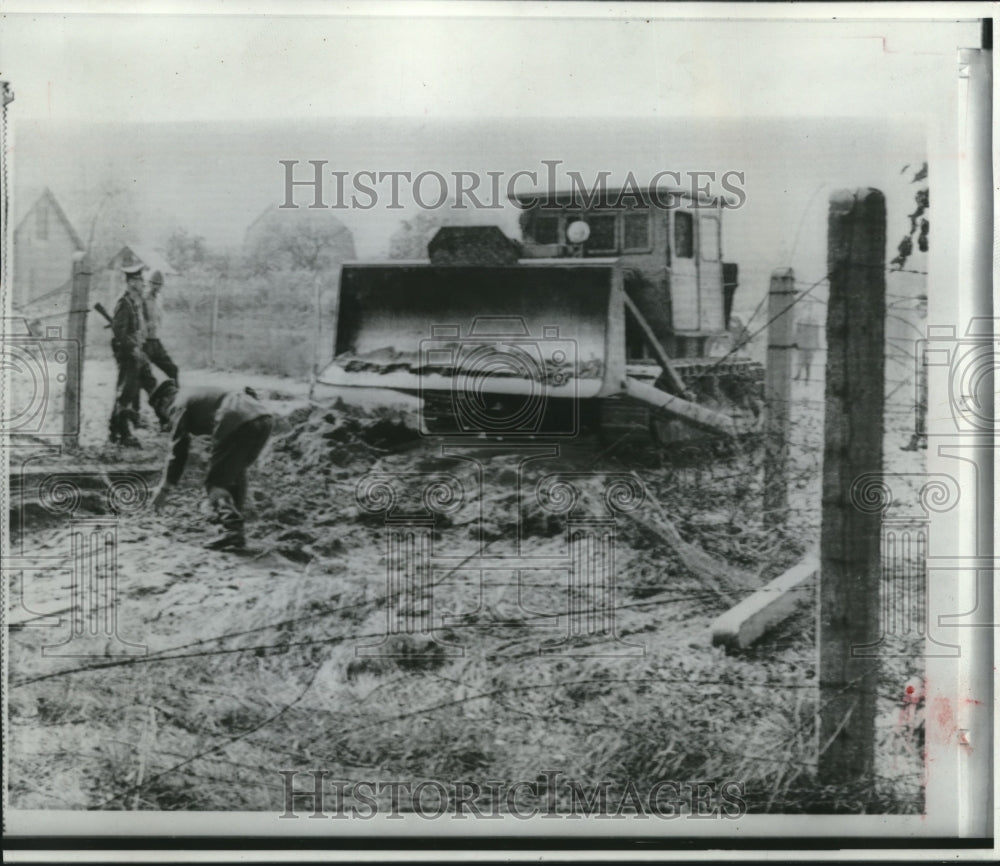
x: 206, y: 411
x: 128, y: 324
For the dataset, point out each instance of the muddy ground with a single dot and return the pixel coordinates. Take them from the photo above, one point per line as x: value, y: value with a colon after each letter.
x: 229, y: 668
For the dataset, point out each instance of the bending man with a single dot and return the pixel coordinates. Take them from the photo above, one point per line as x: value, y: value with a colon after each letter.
x: 239, y: 427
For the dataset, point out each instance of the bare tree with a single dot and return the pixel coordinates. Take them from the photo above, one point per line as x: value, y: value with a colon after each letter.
x: 306, y: 241
x: 111, y: 220
x: 301, y: 239
x: 185, y: 251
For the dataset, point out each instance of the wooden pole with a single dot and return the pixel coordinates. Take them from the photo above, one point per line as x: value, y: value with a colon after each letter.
x: 317, y: 280
x: 214, y: 323
x: 778, y: 394
x: 79, y: 306
x: 850, y: 555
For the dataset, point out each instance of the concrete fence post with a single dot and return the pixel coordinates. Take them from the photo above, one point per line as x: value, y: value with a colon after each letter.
x: 850, y: 551
x: 778, y: 394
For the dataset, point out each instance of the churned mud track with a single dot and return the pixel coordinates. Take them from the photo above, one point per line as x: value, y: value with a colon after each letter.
x: 313, y: 649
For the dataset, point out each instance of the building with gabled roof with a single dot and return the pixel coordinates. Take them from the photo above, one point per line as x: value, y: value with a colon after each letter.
x: 45, y: 243
x: 135, y: 254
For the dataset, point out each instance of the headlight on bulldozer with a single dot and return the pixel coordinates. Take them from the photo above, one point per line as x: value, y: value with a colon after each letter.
x: 719, y: 346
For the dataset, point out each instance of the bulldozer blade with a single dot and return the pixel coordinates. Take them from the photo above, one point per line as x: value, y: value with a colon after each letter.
x: 676, y: 407
x: 555, y: 327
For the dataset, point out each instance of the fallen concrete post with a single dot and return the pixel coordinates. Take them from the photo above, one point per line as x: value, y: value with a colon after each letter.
x: 677, y: 407
x: 743, y: 624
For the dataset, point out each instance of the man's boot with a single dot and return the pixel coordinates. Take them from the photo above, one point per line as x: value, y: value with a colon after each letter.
x: 120, y: 434
x: 229, y: 520
x: 227, y: 541
x: 128, y: 440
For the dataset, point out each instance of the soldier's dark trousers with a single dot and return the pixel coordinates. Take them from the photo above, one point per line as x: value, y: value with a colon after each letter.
x: 158, y: 356
x: 133, y: 374
x: 226, y: 483
x: 154, y: 351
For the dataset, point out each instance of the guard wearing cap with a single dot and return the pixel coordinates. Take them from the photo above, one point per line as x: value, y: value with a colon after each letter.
x: 128, y: 325
x: 153, y: 348
x: 239, y: 427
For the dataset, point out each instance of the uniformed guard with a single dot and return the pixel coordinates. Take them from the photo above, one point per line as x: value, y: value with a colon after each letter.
x: 239, y: 427
x: 128, y: 325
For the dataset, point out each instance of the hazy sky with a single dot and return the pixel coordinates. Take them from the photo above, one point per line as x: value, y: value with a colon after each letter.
x: 194, y: 111
x: 509, y: 60
x: 214, y: 178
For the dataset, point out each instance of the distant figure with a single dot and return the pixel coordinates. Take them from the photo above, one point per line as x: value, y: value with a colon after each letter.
x: 239, y: 426
x: 128, y: 326
x: 807, y: 342
x: 738, y: 331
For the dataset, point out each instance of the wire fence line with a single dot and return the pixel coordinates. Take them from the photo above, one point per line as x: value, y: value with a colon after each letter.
x: 209, y: 649
x: 302, y: 752
x: 161, y: 765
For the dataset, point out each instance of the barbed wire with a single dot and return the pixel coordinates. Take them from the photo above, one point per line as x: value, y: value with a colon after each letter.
x: 748, y: 338
x: 132, y: 789
x: 498, y: 696
x: 209, y: 753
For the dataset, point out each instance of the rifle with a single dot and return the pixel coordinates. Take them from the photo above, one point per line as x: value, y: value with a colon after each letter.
x: 99, y: 308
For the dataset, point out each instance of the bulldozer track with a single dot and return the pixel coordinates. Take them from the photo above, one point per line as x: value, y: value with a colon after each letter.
x: 734, y: 387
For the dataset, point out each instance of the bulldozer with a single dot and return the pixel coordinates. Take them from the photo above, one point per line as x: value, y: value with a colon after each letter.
x: 609, y: 315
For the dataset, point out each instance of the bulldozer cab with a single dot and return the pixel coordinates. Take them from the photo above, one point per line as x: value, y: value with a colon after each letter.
x: 670, y: 248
